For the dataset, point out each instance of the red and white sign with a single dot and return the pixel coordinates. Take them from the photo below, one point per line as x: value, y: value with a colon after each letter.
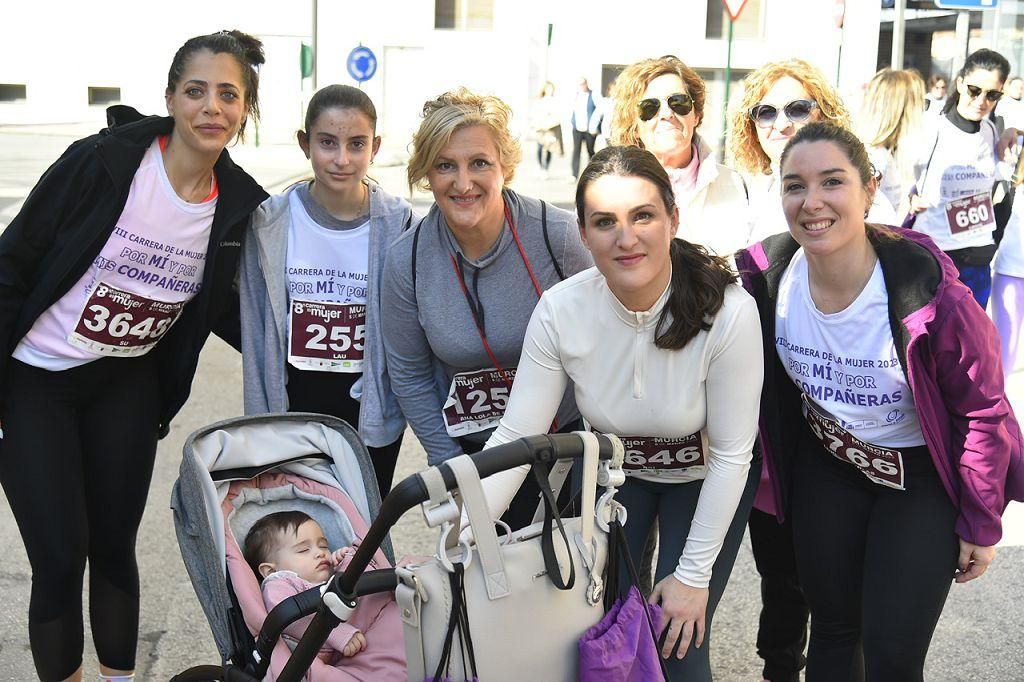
x: 971, y: 215
x: 734, y: 7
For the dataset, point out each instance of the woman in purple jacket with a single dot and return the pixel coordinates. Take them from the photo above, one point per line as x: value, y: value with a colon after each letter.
x: 886, y: 427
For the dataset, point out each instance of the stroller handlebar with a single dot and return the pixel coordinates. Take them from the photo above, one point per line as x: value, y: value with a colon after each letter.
x: 412, y: 491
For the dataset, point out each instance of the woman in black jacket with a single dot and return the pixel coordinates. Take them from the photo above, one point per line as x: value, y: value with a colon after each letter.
x: 112, y: 275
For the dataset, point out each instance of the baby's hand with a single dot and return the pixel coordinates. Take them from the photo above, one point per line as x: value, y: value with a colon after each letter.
x: 355, y: 645
x: 339, y: 555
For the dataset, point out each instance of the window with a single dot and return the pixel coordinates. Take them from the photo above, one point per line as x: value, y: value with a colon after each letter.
x: 12, y: 92
x: 104, y: 96
x: 747, y: 27
x: 464, y: 15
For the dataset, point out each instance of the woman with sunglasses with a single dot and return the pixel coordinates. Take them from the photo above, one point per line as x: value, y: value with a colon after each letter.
x: 659, y: 104
x: 460, y: 285
x: 893, y: 447
x: 778, y: 100
x: 953, y: 198
x: 656, y: 344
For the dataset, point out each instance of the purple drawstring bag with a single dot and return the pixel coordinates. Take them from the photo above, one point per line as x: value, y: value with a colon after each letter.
x: 620, y: 647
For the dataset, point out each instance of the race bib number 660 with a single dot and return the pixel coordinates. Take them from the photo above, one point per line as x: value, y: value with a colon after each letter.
x: 120, y: 323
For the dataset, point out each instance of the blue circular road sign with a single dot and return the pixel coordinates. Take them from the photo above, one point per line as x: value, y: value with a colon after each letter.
x: 362, y: 63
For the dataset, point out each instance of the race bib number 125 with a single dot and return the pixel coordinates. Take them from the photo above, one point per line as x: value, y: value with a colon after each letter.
x: 477, y: 400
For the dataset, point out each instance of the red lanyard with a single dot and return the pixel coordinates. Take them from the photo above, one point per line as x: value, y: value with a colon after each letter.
x: 472, y: 308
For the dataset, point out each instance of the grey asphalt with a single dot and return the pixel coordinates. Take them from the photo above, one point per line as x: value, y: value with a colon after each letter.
x: 978, y: 637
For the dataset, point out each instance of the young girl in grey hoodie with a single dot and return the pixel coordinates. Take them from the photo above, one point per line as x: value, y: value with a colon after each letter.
x: 310, y: 283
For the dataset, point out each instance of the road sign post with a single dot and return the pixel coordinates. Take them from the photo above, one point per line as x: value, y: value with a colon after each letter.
x: 733, y: 9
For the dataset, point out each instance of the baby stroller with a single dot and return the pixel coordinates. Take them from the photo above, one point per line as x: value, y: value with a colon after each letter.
x: 236, y: 471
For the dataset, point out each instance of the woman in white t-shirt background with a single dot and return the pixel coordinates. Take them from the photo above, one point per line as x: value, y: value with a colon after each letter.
x: 657, y: 344
x: 112, y: 275
x: 310, y: 283
x: 953, y: 196
x: 890, y: 123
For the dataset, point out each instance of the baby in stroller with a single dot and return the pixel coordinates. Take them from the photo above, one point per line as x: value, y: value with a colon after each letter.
x: 288, y: 551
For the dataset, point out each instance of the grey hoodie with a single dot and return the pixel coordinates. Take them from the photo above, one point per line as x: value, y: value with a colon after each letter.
x: 264, y: 310
x: 429, y: 326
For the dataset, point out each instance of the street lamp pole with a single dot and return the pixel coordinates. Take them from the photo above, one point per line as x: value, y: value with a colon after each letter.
x: 315, y: 60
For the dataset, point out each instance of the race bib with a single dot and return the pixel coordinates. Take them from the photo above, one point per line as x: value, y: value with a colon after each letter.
x: 883, y: 466
x: 120, y: 323
x: 649, y: 454
x: 326, y: 337
x: 477, y: 400
x: 971, y: 215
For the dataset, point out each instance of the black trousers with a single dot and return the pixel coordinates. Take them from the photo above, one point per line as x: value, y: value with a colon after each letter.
x: 782, y: 626
x: 579, y: 137
x: 76, y: 461
x: 329, y: 393
x: 875, y: 564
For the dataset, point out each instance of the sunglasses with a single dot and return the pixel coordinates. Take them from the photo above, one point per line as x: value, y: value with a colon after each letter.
x: 797, y: 111
x: 680, y: 104
x: 991, y: 95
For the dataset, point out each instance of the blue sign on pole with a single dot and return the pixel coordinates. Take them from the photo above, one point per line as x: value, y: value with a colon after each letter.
x: 967, y: 4
x: 362, y: 64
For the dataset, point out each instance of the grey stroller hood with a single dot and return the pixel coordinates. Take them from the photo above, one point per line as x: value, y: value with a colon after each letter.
x: 316, y: 447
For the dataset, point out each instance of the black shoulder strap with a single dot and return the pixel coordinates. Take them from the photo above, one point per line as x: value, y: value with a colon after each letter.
x: 415, y: 248
x: 547, y: 239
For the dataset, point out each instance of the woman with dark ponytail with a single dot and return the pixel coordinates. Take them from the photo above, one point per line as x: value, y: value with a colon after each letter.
x: 661, y: 346
x: 956, y: 171
x: 120, y: 263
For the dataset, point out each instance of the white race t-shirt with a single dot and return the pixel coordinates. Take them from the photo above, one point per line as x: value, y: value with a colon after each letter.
x: 151, y: 265
x: 957, y: 185
x: 326, y: 273
x: 846, y: 362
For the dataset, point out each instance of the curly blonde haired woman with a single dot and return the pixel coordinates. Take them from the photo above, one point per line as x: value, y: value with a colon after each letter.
x: 659, y: 104
x: 890, y: 124
x: 460, y: 285
x: 778, y: 100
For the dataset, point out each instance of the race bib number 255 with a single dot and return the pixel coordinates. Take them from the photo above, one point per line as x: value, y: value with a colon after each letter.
x: 327, y: 336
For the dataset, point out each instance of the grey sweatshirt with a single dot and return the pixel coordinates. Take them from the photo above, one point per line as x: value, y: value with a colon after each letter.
x: 264, y: 310
x: 430, y: 334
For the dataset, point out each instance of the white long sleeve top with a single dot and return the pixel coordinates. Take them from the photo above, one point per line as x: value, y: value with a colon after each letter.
x: 627, y: 386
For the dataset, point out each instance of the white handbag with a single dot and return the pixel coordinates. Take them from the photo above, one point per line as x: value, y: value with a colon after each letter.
x: 522, y: 625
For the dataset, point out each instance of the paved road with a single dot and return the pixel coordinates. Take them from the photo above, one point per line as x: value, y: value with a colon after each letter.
x: 977, y: 638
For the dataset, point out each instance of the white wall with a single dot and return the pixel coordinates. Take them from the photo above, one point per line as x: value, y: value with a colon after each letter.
x: 60, y: 47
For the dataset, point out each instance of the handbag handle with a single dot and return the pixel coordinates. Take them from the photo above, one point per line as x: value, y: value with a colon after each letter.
x: 472, y: 494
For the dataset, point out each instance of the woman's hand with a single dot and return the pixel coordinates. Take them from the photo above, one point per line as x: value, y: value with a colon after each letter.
x: 974, y: 560
x: 917, y: 204
x: 684, y: 608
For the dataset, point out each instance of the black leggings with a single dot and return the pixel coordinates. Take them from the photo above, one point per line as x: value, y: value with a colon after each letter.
x: 75, y: 463
x: 875, y: 565
x: 329, y: 393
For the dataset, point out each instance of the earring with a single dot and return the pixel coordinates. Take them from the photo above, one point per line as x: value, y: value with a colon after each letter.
x: 866, y: 214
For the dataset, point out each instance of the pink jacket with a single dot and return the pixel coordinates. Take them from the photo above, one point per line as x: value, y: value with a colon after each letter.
x: 949, y: 351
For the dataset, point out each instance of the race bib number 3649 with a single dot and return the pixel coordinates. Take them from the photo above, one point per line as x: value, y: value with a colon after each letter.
x: 120, y: 323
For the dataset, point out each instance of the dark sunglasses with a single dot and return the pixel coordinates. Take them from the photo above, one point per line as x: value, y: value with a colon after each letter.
x: 991, y: 95
x: 680, y: 104
x: 797, y: 111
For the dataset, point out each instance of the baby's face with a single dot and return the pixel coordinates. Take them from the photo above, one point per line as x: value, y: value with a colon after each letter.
x: 305, y: 552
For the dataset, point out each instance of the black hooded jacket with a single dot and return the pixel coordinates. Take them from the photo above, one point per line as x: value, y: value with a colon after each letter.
x: 67, y: 219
